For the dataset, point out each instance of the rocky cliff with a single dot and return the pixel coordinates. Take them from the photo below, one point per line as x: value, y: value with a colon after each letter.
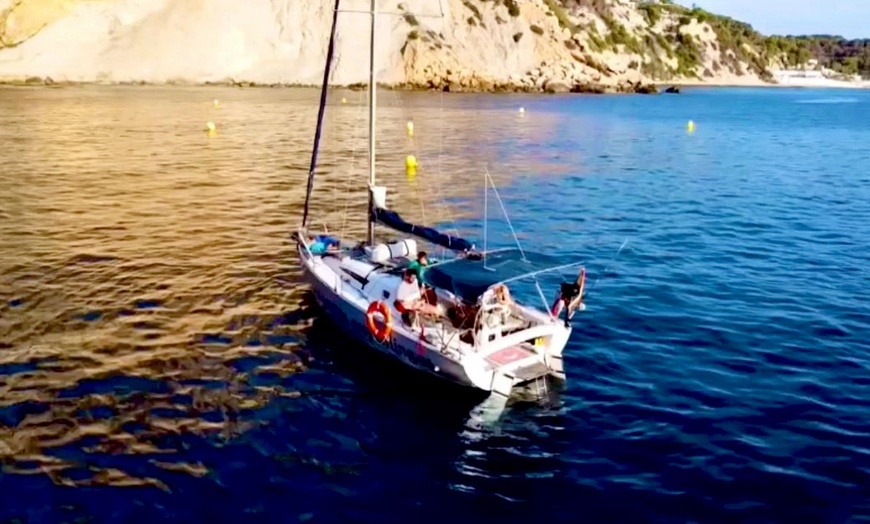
x: 551, y: 45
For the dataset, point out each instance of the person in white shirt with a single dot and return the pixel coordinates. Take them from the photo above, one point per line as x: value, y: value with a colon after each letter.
x: 409, y: 299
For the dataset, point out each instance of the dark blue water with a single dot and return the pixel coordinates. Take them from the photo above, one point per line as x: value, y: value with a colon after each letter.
x: 159, y: 360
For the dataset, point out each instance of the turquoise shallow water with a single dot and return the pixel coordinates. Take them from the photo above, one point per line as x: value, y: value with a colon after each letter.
x: 158, y: 359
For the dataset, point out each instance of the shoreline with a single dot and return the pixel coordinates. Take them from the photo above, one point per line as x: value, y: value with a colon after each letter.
x: 804, y: 84
x: 651, y: 87
x: 475, y: 86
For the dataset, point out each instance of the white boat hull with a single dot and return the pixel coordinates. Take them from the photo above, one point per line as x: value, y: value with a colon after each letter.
x: 351, y: 319
x: 493, y: 369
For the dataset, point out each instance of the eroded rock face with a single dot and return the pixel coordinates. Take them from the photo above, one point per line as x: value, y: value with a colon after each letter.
x: 20, y: 20
x: 556, y: 86
x: 477, y: 45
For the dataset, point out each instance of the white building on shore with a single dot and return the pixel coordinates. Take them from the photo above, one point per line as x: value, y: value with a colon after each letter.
x: 813, y: 75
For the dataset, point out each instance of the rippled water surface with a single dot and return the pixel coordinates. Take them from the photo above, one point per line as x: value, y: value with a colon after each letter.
x: 160, y: 361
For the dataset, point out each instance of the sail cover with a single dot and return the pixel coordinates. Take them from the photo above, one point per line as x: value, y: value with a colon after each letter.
x: 392, y: 220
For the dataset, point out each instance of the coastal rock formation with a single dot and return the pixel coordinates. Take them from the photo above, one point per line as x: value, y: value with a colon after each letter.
x: 20, y: 21
x: 556, y: 46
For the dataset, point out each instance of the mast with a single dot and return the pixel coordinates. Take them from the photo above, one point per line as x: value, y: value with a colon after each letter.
x: 370, y: 233
x: 320, y: 111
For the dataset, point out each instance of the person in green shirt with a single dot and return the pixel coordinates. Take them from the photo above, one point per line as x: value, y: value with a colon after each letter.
x: 419, y: 265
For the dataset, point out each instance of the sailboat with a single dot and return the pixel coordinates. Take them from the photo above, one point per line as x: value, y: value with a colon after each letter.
x: 478, y: 335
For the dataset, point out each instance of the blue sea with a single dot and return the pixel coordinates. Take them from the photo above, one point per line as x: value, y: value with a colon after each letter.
x: 161, y: 361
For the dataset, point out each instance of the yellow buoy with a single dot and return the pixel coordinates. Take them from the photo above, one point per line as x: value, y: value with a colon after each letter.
x: 409, y: 127
x: 210, y: 128
x: 343, y: 100
x: 410, y: 162
x: 690, y: 126
x: 216, y: 102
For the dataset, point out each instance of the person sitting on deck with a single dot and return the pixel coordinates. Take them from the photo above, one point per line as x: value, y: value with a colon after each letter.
x: 409, y: 300
x: 320, y: 244
x: 503, y: 295
x: 419, y: 266
x: 498, y: 304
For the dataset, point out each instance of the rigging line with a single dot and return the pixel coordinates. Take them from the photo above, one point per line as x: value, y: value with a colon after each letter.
x: 450, y: 216
x: 441, y: 150
x: 543, y: 298
x: 330, y: 50
x: 331, y: 132
x: 441, y: 145
x: 354, y: 136
x: 607, y: 265
x: 542, y: 271
x: 416, y: 184
x: 403, y: 116
x: 485, y: 215
x: 442, y: 210
x: 416, y: 151
x: 439, y: 192
x: 503, y: 210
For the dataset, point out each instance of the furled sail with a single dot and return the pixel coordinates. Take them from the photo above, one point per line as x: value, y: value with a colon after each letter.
x: 392, y: 220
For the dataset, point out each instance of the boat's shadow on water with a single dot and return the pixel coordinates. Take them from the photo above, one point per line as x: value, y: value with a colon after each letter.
x: 381, y: 375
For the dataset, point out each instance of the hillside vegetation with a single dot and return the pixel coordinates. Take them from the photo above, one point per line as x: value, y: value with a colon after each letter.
x: 848, y: 57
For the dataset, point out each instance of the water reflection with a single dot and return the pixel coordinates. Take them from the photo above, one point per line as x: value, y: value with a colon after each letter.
x: 153, y: 333
x: 149, y: 301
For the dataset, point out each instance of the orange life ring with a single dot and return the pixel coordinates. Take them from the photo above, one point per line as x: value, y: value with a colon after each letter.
x: 381, y: 333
